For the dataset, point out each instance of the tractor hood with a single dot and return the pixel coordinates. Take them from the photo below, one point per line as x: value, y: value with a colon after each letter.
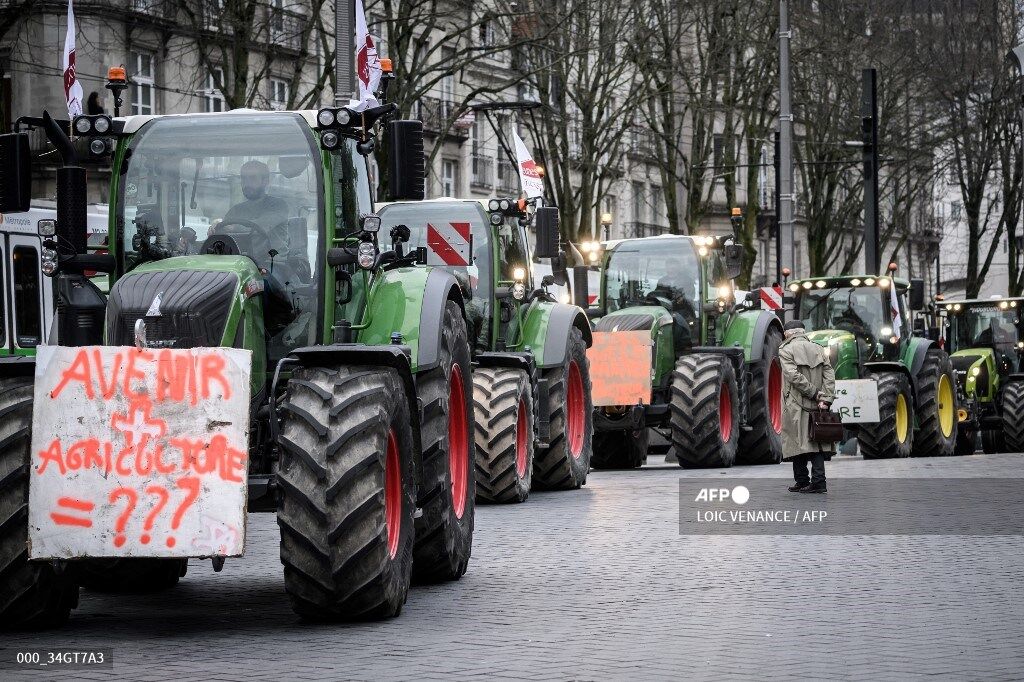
x: 640, y: 318
x: 973, y: 367
x: 842, y: 350
x: 185, y: 301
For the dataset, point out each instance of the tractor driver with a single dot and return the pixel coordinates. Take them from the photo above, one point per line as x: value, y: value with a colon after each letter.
x: 675, y: 286
x: 260, y: 208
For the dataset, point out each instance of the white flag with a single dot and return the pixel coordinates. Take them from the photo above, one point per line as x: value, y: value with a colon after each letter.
x: 529, y: 176
x: 897, y: 321
x: 368, y: 71
x: 72, y: 88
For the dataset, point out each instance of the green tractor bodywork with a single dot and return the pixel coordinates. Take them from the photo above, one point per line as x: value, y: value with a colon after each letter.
x: 716, y: 381
x: 985, y: 338
x: 867, y: 337
x: 360, y: 357
x: 530, y: 371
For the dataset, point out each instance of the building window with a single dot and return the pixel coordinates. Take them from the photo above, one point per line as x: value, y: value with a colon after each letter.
x: 638, y: 202
x: 278, y: 94
x: 955, y: 209
x: 449, y: 178
x: 277, y: 16
x: 213, y: 98
x: 657, y: 205
x: 487, y: 32
x: 143, y: 83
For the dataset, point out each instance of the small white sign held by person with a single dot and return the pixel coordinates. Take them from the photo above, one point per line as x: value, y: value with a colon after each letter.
x: 856, y: 401
x: 139, y: 452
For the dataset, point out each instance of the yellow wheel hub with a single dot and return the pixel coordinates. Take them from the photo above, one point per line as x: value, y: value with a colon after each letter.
x: 947, y: 415
x: 902, y: 418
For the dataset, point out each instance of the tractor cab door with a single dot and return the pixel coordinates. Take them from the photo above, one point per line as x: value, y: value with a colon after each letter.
x: 30, y: 304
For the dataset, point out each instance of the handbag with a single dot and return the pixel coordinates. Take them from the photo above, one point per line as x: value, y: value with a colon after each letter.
x: 825, y: 426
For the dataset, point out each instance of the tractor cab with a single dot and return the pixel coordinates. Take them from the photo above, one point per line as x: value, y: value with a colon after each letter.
x: 859, y: 319
x: 986, y: 341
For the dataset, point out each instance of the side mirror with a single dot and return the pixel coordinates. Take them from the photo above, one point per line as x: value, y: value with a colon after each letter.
x: 594, y: 312
x: 406, y: 163
x: 15, y: 173
x: 916, y: 294
x: 581, y: 287
x: 733, y: 260
x: 338, y: 256
x: 546, y: 221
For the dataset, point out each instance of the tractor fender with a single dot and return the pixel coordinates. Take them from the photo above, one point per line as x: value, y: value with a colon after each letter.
x: 17, y: 366
x: 562, y: 318
x: 915, y: 355
x: 749, y: 329
x: 440, y: 287
x: 891, y: 366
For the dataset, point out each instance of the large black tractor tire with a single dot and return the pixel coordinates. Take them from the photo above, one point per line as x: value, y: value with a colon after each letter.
x: 348, y: 493
x: 704, y: 411
x: 447, y: 497
x: 762, y: 444
x: 890, y: 437
x: 620, y: 449
x: 564, y: 463
x: 131, y: 575
x: 992, y: 441
x: 936, y: 407
x: 38, y: 594
x: 503, y: 407
x: 1013, y: 417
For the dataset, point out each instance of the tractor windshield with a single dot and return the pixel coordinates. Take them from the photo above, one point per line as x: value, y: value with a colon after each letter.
x: 989, y: 326
x: 235, y: 183
x: 861, y: 310
x: 653, y: 272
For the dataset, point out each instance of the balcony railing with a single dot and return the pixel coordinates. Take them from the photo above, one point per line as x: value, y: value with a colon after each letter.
x: 641, y: 142
x: 508, y: 179
x: 481, y: 171
x: 639, y: 229
x: 438, y: 116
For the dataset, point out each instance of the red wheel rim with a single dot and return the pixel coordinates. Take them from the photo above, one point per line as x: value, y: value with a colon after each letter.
x: 458, y: 442
x: 575, y: 410
x: 393, y: 494
x: 521, y: 443
x: 725, y: 413
x: 775, y: 395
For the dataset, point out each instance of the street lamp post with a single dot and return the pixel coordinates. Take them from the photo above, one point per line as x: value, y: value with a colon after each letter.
x: 1016, y: 55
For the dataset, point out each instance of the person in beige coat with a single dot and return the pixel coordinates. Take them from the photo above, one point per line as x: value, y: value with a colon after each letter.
x: 810, y: 383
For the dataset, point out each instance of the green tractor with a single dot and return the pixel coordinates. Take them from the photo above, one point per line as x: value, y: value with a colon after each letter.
x: 986, y: 341
x: 864, y: 322
x: 361, y: 387
x: 674, y: 349
x: 531, y: 379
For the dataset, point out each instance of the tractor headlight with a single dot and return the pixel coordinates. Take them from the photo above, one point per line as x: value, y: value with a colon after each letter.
x: 949, y: 306
x: 47, y: 227
x: 593, y: 256
x: 366, y: 255
x: 1003, y: 305
x: 343, y: 117
x: 807, y: 285
x: 101, y: 124
x: 325, y: 117
x: 493, y: 205
x: 519, y: 291
x: 1020, y: 345
x: 564, y: 298
x: 820, y: 284
x: 883, y: 282
x: 975, y: 371
x: 504, y: 204
x: 330, y: 140
x: 703, y: 251
x: 957, y: 307
x: 496, y: 219
x: 519, y: 274
x: 886, y: 331
x: 794, y: 287
x: 98, y: 147
x: 855, y: 282
x: 870, y: 282
x: 724, y: 292
x: 83, y: 125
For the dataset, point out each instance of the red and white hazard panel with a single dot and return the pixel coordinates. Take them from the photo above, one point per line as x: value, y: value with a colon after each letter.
x: 449, y: 244
x: 771, y: 298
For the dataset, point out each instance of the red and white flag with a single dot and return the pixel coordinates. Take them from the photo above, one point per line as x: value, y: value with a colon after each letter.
x: 368, y: 71
x: 72, y: 88
x: 894, y: 303
x: 529, y: 175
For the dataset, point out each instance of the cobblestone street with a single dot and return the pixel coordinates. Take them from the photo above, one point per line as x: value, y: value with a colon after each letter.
x: 598, y: 584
